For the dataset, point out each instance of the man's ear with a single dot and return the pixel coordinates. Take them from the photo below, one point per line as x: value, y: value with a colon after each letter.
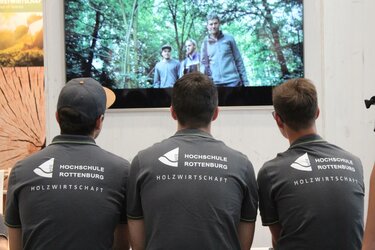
x: 98, y: 126
x: 57, y: 117
x: 283, y: 128
x: 99, y: 122
x: 317, y: 113
x: 216, y: 114
x: 173, y: 113
x: 279, y: 121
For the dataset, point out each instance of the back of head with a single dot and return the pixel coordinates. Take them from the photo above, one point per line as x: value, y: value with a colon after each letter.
x: 194, y: 99
x: 81, y: 102
x: 296, y: 102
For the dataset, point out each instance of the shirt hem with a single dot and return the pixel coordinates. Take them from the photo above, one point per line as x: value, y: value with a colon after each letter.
x: 247, y: 220
x: 135, y: 217
x: 270, y: 223
x: 12, y: 226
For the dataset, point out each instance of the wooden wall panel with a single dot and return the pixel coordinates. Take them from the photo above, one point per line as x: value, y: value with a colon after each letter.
x: 22, y: 113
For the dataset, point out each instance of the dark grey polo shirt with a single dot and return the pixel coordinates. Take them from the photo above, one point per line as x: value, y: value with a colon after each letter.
x: 3, y: 228
x: 315, y: 190
x: 70, y: 195
x: 192, y: 191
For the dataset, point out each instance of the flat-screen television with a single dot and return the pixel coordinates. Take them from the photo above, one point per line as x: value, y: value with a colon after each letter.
x: 119, y: 44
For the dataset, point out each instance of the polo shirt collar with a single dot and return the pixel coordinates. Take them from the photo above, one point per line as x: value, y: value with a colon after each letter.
x: 307, y: 139
x: 191, y: 131
x: 73, y: 139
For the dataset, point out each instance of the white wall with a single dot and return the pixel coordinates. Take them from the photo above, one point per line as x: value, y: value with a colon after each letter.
x: 339, y: 58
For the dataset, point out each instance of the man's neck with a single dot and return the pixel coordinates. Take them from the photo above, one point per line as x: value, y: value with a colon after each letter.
x: 191, y: 55
x: 204, y: 129
x: 216, y: 35
x: 295, y: 135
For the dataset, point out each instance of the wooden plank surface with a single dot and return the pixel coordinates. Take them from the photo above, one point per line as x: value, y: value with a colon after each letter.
x: 22, y: 113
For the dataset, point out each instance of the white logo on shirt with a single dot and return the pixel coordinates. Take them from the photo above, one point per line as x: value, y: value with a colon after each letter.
x: 45, y: 169
x: 302, y: 163
x: 170, y: 158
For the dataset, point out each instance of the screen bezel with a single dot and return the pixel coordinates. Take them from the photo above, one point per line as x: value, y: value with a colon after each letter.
x: 140, y: 98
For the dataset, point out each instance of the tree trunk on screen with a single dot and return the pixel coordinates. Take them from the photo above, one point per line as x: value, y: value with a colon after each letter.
x: 276, y: 39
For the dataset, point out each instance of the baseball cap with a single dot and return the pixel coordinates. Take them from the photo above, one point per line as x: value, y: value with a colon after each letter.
x: 86, y: 96
x: 166, y: 46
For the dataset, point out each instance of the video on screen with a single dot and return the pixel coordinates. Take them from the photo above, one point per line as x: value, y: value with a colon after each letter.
x: 146, y: 45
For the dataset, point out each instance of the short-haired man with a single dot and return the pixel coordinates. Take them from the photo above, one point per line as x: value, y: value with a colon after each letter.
x: 71, y: 194
x: 167, y: 70
x: 191, y: 191
x: 220, y: 56
x: 192, y: 61
x: 311, y: 195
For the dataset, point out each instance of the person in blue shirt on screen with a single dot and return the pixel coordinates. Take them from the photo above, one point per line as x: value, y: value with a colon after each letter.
x: 221, y: 58
x: 167, y: 70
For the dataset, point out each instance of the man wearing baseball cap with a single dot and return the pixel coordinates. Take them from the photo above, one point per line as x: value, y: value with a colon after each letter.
x: 71, y: 194
x: 167, y: 70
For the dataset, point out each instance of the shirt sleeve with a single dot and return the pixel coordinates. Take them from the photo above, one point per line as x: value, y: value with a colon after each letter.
x: 178, y: 68
x: 204, y: 62
x: 134, y: 202
x: 267, y: 206
x: 156, y: 77
x: 3, y: 228
x: 250, y: 201
x: 123, y: 216
x: 182, y: 68
x: 239, y: 62
x: 12, y: 216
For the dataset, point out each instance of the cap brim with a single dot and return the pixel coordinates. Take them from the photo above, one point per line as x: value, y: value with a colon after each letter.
x: 111, y: 97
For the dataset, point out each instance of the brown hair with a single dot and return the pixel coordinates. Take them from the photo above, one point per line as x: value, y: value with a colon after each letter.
x: 194, y: 99
x: 212, y: 16
x: 296, y: 102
